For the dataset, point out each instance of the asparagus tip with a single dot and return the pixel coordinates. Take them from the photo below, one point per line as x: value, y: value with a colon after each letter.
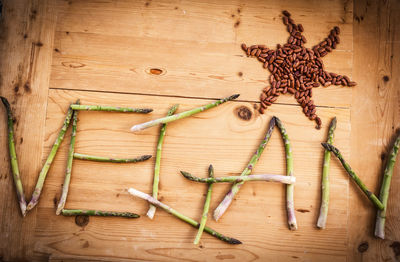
x: 330, y: 147
x: 234, y: 96
x: 333, y: 123
x: 186, y: 174
x: 334, y: 120
x: 147, y: 110
x: 274, y: 120
x: 145, y: 157
x: 5, y: 101
x: 234, y: 241
x: 210, y: 169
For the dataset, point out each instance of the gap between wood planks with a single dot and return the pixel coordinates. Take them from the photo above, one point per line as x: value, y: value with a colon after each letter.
x: 188, y: 97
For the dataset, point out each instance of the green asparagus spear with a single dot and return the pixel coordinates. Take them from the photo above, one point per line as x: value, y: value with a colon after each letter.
x: 323, y: 213
x: 152, y: 209
x: 111, y: 160
x: 67, y: 179
x: 47, y: 164
x: 168, y: 119
x: 223, y: 206
x: 79, y: 212
x: 206, y: 207
x: 353, y: 175
x: 13, y: 158
x: 236, y: 179
x: 384, y: 194
x: 182, y: 217
x: 289, y: 172
x: 111, y: 109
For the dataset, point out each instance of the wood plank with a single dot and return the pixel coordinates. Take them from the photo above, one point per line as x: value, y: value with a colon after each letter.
x: 27, y: 30
x: 375, y: 117
x: 217, y: 136
x: 112, y: 46
x: 121, y: 23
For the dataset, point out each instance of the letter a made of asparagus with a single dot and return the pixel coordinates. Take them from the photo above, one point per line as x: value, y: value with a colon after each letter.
x: 225, y: 203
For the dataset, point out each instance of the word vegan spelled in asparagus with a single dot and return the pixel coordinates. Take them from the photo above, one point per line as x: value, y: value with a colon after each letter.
x: 184, y: 114
x: 294, y: 69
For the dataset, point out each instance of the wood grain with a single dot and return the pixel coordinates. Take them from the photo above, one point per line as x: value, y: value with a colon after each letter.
x: 375, y: 117
x: 27, y: 31
x: 112, y: 46
x: 217, y: 136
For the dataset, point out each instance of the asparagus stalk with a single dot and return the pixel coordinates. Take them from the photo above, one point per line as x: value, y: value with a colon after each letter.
x: 323, y: 213
x: 184, y: 114
x: 223, y: 206
x: 109, y: 159
x: 236, y: 179
x: 385, y: 187
x: 156, y: 179
x: 47, y: 164
x: 13, y: 158
x: 67, y: 178
x: 111, y: 109
x: 79, y: 212
x: 182, y: 217
x: 289, y: 172
x: 353, y: 175
x: 206, y: 207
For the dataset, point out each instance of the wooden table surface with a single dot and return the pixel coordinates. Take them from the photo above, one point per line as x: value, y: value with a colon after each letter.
x: 102, y: 52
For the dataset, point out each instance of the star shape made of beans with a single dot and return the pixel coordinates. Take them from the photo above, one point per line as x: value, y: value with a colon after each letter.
x: 296, y: 69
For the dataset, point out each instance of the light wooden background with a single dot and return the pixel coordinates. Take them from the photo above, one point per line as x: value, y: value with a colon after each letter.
x: 101, y: 52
